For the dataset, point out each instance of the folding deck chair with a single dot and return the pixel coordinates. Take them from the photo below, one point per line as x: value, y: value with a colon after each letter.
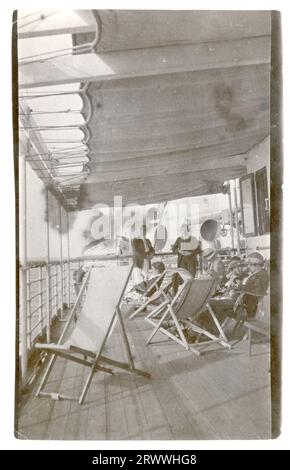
x: 149, y: 299
x: 258, y: 324
x: 86, y: 332
x: 192, y: 299
x: 162, y: 284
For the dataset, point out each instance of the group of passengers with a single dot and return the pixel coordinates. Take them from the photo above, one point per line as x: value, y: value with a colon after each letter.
x: 238, y: 288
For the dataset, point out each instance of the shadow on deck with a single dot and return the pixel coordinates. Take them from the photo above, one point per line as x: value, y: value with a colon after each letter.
x: 219, y: 395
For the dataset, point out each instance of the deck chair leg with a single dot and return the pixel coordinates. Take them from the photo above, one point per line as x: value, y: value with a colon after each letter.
x: 156, y: 310
x: 93, y: 368
x: 139, y: 309
x: 87, y: 383
x: 46, y: 374
x: 209, y: 335
x: 217, y: 323
x: 132, y: 367
x: 157, y: 327
x: 125, y: 339
x: 179, y: 329
x: 249, y: 342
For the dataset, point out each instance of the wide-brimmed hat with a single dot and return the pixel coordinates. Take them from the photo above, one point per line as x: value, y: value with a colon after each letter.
x: 209, y: 253
x: 255, y: 258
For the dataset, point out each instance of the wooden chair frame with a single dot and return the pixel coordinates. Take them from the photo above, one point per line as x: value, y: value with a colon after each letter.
x: 86, y: 357
x: 165, y: 312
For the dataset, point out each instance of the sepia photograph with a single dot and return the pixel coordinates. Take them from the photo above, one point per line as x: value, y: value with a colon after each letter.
x: 148, y: 181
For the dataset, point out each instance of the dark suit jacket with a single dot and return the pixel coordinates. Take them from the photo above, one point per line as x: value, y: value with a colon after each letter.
x: 256, y: 284
x: 139, y: 251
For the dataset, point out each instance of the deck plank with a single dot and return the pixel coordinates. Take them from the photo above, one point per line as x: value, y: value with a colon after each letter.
x: 172, y: 399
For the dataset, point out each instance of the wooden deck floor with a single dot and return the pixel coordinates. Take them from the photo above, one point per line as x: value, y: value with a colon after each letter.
x: 219, y: 395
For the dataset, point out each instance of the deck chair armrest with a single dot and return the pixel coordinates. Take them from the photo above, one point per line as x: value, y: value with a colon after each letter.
x: 49, y: 346
x: 243, y: 292
x: 86, y: 352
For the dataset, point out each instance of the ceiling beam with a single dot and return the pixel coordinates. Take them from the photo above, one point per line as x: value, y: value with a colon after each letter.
x: 58, y: 31
x: 56, y: 23
x: 145, y: 62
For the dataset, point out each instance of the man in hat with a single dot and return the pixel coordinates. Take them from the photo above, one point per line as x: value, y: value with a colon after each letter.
x: 213, y: 264
x: 247, y: 294
x: 255, y: 285
x: 239, y: 302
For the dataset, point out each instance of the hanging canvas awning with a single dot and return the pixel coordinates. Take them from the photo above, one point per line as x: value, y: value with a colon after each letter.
x: 174, y: 134
x: 177, y: 99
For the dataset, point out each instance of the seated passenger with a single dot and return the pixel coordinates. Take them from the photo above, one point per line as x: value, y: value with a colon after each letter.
x: 157, y: 269
x: 178, y: 276
x: 234, y: 278
x: 247, y: 294
x: 214, y: 266
x: 255, y: 285
x: 136, y: 291
x: 241, y: 299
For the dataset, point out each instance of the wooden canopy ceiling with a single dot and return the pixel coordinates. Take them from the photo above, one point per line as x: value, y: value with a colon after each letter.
x: 178, y: 98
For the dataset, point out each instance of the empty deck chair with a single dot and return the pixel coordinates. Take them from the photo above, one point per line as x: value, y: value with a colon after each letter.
x: 191, y: 300
x: 85, y: 336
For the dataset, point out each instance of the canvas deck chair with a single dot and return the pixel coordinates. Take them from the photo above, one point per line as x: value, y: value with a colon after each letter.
x: 163, y: 285
x: 192, y: 299
x: 86, y: 333
x: 258, y: 324
x: 149, y: 299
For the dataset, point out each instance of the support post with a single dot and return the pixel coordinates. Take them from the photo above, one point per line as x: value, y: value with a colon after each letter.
x: 40, y: 298
x: 48, y: 310
x: 237, y: 218
x: 231, y: 216
x: 29, y: 309
x: 60, y: 261
x: 68, y: 260
x: 23, y: 263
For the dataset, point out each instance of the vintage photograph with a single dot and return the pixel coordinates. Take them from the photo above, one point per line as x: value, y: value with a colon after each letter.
x: 147, y: 151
